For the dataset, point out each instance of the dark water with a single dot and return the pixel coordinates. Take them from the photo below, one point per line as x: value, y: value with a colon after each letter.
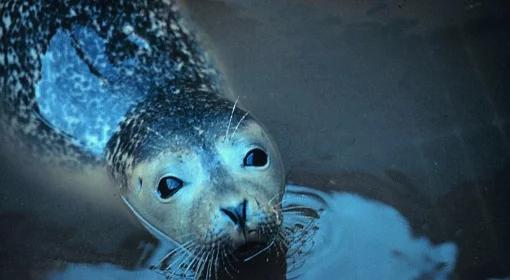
x: 405, y: 102
x: 395, y: 113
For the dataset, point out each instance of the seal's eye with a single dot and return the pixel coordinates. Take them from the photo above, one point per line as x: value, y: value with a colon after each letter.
x: 168, y: 186
x: 255, y: 157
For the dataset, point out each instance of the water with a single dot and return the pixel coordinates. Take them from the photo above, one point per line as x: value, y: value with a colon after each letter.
x: 404, y: 102
x: 354, y: 237
x: 393, y: 114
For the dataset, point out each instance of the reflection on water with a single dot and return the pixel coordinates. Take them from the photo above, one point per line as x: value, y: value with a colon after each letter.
x: 355, y: 238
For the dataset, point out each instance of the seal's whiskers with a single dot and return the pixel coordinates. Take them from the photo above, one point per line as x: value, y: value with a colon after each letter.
x: 216, y: 263
x: 205, y: 263
x: 276, y: 195
x: 175, y: 250
x: 212, y: 262
x: 230, y: 119
x: 225, y: 259
x: 260, y: 251
x: 195, y: 260
x: 239, y: 123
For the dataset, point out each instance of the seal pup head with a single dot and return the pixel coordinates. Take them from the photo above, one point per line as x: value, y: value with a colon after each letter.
x: 201, y: 171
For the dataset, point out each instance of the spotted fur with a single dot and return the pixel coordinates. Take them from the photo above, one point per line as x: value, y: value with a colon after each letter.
x: 123, y: 83
x: 71, y: 71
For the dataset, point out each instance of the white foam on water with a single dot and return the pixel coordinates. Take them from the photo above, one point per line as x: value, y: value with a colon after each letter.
x: 360, y: 238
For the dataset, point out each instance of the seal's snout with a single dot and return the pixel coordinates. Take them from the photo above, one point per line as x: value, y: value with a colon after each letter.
x: 237, y: 213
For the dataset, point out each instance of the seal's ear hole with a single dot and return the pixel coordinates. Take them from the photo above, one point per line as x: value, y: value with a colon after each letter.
x: 255, y: 157
x: 139, y: 185
x: 168, y: 186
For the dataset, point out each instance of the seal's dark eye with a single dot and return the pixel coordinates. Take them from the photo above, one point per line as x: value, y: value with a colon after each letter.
x: 255, y: 157
x: 168, y: 186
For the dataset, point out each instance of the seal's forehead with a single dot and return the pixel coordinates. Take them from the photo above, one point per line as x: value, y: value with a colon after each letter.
x: 203, y: 138
x: 248, y: 130
x: 196, y: 121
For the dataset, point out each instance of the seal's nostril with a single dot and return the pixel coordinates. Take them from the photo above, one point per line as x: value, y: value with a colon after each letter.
x: 232, y: 215
x: 237, y: 213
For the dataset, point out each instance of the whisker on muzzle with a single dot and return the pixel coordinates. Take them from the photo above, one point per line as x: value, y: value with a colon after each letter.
x: 291, y: 239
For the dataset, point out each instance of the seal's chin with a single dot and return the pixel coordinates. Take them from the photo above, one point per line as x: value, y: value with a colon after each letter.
x: 250, y: 243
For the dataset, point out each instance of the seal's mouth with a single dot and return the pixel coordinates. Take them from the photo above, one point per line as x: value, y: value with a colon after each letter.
x: 250, y: 250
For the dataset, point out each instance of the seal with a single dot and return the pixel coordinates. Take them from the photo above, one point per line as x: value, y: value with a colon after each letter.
x: 125, y: 85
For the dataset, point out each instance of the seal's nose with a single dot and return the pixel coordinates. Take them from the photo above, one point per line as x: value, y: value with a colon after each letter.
x: 236, y: 213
